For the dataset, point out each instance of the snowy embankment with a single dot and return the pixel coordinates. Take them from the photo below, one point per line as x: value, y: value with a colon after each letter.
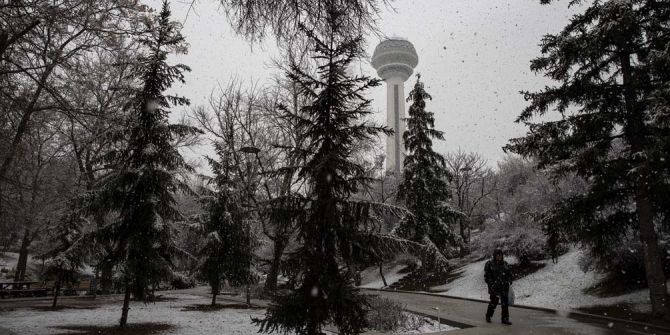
x: 558, y: 286
x: 370, y: 277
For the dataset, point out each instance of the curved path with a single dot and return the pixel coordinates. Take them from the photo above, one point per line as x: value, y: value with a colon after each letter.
x: 469, y: 315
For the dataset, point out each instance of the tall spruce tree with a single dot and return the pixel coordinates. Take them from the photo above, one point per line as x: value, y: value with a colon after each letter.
x: 612, y: 65
x: 424, y: 187
x: 227, y: 252
x: 330, y: 236
x: 141, y: 188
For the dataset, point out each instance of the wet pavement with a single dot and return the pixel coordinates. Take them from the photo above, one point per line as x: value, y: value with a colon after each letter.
x: 470, y: 316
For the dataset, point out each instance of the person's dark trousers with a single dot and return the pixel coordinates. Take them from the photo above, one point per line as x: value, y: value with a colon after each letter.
x: 503, y: 304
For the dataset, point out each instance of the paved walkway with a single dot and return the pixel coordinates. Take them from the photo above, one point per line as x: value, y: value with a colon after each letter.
x: 470, y: 314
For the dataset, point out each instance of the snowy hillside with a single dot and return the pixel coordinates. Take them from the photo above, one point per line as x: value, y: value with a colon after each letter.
x: 558, y: 286
x: 370, y: 277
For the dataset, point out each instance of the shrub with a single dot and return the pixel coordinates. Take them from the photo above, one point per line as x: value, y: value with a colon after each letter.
x: 623, y: 264
x: 410, y: 262
x: 386, y: 315
x: 414, y: 322
x: 257, y: 291
x: 526, y: 242
x: 182, y: 281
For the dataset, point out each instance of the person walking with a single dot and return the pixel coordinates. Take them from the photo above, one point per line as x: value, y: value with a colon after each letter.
x: 498, y: 277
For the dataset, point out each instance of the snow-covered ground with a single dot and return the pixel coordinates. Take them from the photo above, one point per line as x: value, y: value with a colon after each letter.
x: 171, y: 312
x: 9, y: 260
x: 557, y: 286
x: 370, y: 277
x: 229, y: 321
x: 471, y: 283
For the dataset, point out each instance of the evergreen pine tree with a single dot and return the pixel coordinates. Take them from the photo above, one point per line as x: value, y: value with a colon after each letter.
x: 141, y: 188
x: 424, y: 187
x: 612, y: 66
x: 331, y: 234
x: 227, y: 252
x: 63, y: 249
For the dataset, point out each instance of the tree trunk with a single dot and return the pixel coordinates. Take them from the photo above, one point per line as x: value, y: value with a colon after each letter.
x: 248, y: 294
x: 636, y: 131
x: 461, y: 223
x: 282, y: 235
x: 271, y: 280
x: 94, y: 284
x: 23, y: 257
x: 56, y: 292
x: 464, y: 226
x: 381, y: 273
x: 653, y: 257
x: 215, y: 292
x: 106, y: 277
x: 126, y: 304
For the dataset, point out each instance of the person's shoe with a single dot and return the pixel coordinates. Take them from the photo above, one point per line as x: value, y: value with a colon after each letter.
x: 488, y: 319
x: 506, y: 322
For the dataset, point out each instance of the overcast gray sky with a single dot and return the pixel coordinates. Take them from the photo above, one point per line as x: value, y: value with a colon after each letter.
x: 473, y: 57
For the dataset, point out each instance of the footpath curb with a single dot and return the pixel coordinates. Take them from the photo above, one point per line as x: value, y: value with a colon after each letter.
x: 570, y: 313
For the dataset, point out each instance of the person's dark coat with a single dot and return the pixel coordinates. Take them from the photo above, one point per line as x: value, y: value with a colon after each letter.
x: 498, y: 276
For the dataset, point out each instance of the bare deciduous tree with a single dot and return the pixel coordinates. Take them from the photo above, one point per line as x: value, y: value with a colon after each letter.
x: 240, y: 117
x: 40, y: 39
x: 472, y: 182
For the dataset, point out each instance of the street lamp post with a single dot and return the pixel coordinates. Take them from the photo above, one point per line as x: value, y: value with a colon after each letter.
x: 248, y: 151
x: 249, y: 261
x: 439, y: 319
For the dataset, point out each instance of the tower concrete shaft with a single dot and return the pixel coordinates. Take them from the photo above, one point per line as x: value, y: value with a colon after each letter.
x: 395, y: 60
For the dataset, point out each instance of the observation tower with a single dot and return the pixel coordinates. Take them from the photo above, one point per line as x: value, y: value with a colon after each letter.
x: 395, y: 59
